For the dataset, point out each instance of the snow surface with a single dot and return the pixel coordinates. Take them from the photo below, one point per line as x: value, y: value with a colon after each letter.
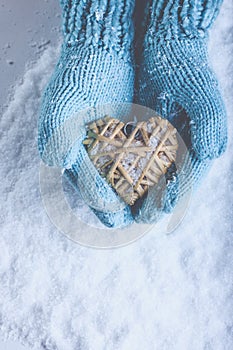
x: 26, y: 28
x: 162, y: 292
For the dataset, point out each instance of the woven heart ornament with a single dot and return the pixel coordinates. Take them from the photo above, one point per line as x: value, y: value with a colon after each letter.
x: 133, y: 156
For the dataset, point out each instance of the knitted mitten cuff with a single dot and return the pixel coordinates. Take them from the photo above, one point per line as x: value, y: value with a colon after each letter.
x: 104, y: 23
x: 188, y: 18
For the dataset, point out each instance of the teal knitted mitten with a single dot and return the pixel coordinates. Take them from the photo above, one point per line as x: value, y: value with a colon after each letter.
x: 174, y: 71
x: 94, y: 68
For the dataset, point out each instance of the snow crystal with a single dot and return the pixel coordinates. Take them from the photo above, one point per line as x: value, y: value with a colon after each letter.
x: 170, y: 292
x: 99, y: 15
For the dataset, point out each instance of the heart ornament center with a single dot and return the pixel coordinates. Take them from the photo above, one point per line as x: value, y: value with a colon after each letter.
x: 133, y: 156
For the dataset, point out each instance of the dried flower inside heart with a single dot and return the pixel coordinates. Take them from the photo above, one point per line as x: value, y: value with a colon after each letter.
x: 131, y: 156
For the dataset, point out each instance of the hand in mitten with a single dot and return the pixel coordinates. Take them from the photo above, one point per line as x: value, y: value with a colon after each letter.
x: 94, y: 68
x: 175, y: 76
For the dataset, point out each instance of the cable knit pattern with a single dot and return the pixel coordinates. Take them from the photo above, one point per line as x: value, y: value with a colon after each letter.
x: 177, y: 18
x: 99, y: 23
x: 95, y: 67
x: 174, y: 69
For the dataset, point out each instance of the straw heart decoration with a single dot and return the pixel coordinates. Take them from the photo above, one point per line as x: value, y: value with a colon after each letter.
x: 133, y: 156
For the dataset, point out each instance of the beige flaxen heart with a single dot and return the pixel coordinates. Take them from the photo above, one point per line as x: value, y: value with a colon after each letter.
x: 133, y: 156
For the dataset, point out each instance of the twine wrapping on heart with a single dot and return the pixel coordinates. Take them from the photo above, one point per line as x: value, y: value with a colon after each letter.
x: 131, y: 157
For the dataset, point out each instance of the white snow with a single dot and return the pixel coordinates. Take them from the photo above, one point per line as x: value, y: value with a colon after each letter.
x: 165, y: 292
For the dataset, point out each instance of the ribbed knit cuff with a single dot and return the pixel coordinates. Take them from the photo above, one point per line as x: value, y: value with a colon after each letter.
x: 98, y: 22
x: 175, y: 18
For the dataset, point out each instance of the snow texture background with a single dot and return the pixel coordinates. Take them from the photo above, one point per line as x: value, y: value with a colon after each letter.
x: 162, y: 292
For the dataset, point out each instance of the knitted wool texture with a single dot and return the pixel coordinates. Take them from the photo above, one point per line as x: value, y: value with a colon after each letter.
x: 174, y: 71
x: 94, y: 68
